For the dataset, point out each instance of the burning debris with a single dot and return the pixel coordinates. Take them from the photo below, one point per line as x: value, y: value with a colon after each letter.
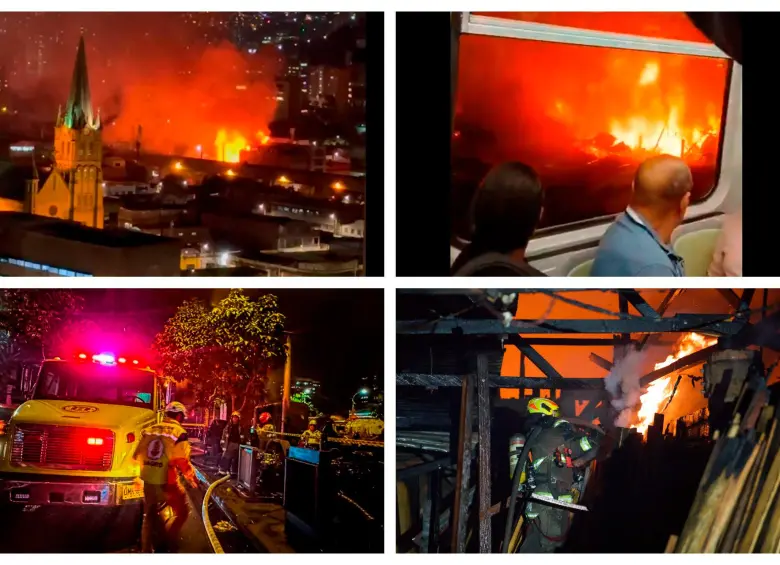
x: 645, y: 103
x: 638, y: 407
x: 585, y: 117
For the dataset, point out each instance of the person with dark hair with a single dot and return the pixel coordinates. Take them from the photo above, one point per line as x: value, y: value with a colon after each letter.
x: 638, y: 244
x: 504, y: 212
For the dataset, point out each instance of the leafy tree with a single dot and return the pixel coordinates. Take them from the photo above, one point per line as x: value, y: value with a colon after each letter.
x: 224, y: 352
x: 32, y: 322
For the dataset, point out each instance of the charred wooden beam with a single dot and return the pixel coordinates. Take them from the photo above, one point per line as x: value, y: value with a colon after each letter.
x: 441, y: 380
x: 601, y: 362
x: 461, y: 506
x: 730, y: 296
x: 746, y: 299
x: 671, y: 295
x: 481, y: 291
x: 683, y: 363
x: 493, y: 342
x: 536, y: 358
x: 639, y: 303
x: 483, y: 428
x: 762, y: 333
x: 713, y: 323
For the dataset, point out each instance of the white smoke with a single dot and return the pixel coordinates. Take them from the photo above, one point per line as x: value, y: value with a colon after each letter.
x: 623, y: 386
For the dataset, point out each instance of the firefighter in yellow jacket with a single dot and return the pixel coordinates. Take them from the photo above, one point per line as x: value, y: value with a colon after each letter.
x: 311, y: 438
x: 558, y: 444
x: 164, y: 453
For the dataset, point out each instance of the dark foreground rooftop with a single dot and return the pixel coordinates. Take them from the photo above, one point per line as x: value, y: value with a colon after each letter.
x: 64, y: 229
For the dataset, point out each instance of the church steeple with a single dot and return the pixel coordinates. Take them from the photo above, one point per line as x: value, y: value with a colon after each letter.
x: 78, y: 112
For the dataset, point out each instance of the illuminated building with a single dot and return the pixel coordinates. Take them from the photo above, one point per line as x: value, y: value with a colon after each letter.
x: 356, y: 92
x: 328, y: 82
x: 73, y: 190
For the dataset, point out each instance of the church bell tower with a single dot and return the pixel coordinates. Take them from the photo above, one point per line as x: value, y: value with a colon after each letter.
x: 78, y: 150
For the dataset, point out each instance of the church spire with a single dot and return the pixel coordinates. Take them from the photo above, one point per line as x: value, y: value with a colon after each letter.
x: 78, y: 112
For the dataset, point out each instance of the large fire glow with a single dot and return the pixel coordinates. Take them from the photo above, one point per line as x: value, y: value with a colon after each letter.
x: 560, y: 98
x: 659, y: 391
x: 584, y: 117
x: 162, y: 81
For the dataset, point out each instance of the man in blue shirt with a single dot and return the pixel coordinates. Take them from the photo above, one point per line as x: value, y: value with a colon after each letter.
x: 638, y: 244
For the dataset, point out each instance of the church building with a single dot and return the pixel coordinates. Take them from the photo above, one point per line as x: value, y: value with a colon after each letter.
x: 74, y: 189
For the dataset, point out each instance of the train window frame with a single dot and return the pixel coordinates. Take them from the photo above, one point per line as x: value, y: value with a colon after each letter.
x: 586, y: 234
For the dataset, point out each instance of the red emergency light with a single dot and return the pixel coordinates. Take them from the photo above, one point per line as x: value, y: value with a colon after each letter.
x: 94, y: 441
x: 108, y: 359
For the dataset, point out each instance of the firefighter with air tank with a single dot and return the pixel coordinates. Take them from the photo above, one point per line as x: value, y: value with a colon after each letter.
x: 164, y: 454
x: 552, y: 466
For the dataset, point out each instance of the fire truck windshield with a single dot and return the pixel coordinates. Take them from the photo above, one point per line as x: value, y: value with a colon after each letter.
x: 93, y: 382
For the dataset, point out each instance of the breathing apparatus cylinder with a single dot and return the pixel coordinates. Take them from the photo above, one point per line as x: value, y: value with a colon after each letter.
x: 516, y: 445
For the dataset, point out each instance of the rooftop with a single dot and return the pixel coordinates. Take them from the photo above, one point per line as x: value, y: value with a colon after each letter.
x: 73, y: 231
x: 13, y: 180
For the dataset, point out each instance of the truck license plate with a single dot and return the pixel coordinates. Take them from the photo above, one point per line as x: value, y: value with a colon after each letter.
x: 130, y: 492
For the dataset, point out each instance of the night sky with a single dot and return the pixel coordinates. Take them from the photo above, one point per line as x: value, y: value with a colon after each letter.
x: 337, y: 333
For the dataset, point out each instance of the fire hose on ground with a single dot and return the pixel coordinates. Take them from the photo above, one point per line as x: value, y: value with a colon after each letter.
x: 210, y: 533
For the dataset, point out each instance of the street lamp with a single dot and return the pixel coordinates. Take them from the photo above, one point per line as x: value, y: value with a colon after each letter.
x: 361, y: 392
x: 199, y: 149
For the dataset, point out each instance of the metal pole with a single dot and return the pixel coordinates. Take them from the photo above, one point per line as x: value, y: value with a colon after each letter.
x: 287, y: 373
x: 464, y: 467
x: 483, y: 406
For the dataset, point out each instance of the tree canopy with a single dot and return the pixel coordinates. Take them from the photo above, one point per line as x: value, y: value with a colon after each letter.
x: 225, y: 351
x: 33, y: 322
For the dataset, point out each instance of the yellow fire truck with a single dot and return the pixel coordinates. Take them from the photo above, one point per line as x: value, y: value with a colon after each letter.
x: 72, y: 441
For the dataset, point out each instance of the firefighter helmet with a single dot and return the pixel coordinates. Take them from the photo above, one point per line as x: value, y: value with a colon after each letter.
x: 265, y: 417
x: 313, y: 423
x: 235, y: 413
x: 175, y: 408
x: 543, y: 406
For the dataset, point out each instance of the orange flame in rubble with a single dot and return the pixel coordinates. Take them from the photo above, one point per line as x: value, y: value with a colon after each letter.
x: 665, y: 134
x: 660, y: 390
x: 229, y: 146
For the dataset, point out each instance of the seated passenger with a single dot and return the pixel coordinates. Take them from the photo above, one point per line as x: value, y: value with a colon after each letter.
x: 504, y: 213
x: 638, y: 243
x: 727, y: 258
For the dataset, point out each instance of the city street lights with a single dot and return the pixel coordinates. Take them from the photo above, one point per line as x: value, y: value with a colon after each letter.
x: 361, y: 392
x: 199, y: 149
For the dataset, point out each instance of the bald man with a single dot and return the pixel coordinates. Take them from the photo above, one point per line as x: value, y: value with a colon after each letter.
x: 638, y: 244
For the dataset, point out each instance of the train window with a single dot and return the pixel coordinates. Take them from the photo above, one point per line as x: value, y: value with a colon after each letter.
x: 659, y: 25
x: 584, y: 117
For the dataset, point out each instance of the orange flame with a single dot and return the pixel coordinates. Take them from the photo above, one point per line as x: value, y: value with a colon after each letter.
x: 229, y: 146
x: 664, y: 134
x: 263, y: 137
x: 660, y: 390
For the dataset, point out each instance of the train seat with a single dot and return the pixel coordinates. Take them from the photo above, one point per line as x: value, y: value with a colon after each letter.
x: 582, y: 270
x: 696, y: 249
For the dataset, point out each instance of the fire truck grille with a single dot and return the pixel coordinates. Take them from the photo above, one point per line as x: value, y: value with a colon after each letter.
x: 63, y: 447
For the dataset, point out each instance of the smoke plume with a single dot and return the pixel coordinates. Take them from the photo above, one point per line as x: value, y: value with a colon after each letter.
x: 623, y: 386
